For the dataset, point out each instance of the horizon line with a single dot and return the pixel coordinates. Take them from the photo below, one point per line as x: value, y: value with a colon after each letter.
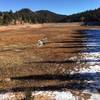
x: 47, y: 10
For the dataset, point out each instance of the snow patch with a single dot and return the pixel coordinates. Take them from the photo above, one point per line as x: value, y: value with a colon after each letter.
x: 90, y: 69
x: 64, y: 96
x: 56, y: 95
x: 95, y: 97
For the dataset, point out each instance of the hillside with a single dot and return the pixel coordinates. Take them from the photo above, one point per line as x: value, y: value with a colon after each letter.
x: 44, y: 16
x: 87, y: 16
x: 28, y: 16
x: 48, y: 16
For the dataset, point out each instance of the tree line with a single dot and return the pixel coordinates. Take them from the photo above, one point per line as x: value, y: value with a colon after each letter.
x: 87, y: 16
x: 28, y: 16
x: 44, y: 16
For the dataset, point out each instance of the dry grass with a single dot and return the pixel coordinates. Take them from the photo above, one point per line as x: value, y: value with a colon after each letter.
x: 18, y: 52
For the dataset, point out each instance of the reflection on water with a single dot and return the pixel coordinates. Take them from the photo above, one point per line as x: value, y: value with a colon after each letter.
x: 92, y: 44
x: 91, y: 52
x: 93, y: 40
x: 92, y: 55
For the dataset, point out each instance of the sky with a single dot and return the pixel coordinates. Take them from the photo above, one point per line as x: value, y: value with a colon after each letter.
x: 65, y: 7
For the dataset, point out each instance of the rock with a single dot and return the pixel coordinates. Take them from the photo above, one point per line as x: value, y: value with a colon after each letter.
x: 7, y: 79
x: 41, y: 42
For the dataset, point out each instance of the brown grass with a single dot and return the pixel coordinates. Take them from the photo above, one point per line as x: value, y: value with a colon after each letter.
x: 18, y: 52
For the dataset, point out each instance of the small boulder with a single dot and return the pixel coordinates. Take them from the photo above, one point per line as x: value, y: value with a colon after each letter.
x: 42, y: 42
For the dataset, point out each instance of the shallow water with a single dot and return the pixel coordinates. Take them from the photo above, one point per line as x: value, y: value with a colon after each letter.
x: 93, y: 40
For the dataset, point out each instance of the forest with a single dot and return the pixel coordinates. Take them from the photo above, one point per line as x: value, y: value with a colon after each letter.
x: 44, y: 16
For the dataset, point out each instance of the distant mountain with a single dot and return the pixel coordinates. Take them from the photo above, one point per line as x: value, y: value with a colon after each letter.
x: 44, y: 16
x: 45, y: 12
x: 41, y: 16
x: 26, y: 16
x: 25, y: 10
x: 87, y: 16
x: 48, y: 16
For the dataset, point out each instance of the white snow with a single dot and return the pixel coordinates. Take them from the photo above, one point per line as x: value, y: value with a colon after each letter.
x: 64, y: 96
x: 93, y: 56
x: 90, y: 69
x: 95, y: 96
x: 67, y: 95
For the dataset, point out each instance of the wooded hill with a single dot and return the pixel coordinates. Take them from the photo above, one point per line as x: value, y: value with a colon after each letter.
x: 28, y: 16
x: 44, y: 16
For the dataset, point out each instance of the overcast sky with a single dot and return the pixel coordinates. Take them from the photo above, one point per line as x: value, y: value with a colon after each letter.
x: 59, y: 6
